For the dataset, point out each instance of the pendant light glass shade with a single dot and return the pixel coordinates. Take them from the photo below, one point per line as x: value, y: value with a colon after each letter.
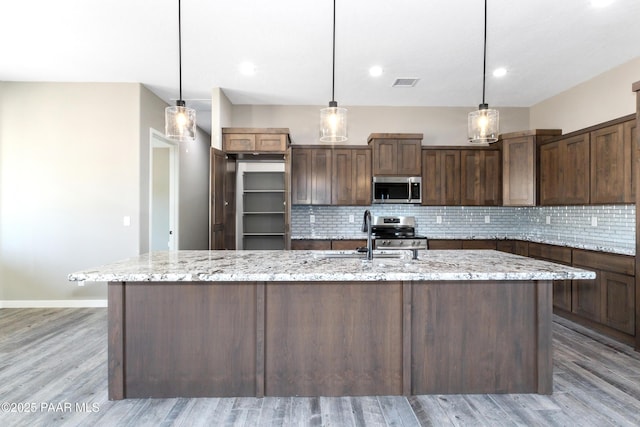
x: 483, y: 125
x: 333, y: 123
x: 180, y: 122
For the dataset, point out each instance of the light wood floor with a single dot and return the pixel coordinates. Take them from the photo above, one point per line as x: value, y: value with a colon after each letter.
x: 50, y: 358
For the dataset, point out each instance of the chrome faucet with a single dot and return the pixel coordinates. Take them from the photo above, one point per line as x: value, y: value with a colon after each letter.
x: 366, y: 226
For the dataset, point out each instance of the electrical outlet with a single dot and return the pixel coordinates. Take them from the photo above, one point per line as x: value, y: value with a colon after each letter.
x: 594, y: 221
x: 351, y: 219
x: 548, y: 219
x: 487, y: 219
x: 438, y: 219
x: 312, y: 219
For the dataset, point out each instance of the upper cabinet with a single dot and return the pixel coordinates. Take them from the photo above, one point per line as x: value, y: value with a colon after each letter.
x: 481, y: 177
x: 611, y: 165
x: 592, y: 166
x: 351, y: 180
x: 396, y: 154
x: 520, y: 172
x: 440, y: 177
x: 331, y: 176
x: 255, y: 140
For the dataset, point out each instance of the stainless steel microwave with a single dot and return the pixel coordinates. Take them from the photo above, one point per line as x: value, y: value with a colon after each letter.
x: 397, y: 189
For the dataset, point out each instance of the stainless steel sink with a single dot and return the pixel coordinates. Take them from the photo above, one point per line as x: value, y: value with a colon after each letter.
x: 361, y: 255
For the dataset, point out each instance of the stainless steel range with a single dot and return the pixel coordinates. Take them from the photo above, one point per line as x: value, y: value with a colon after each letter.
x: 397, y: 232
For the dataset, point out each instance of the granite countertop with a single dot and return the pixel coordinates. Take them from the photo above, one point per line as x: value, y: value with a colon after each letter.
x: 316, y: 266
x: 576, y: 245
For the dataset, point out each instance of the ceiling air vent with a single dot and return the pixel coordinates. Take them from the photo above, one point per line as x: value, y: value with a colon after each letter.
x: 405, y: 82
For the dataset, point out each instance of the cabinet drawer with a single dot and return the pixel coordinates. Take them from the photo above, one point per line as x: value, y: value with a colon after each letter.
x: 311, y: 245
x: 478, y: 244
x: 552, y: 253
x: 444, y: 244
x: 347, y: 245
x: 615, y: 263
x: 239, y: 142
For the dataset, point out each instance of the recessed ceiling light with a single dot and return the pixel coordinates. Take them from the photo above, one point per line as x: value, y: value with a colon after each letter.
x: 500, y: 72
x: 375, y: 71
x: 247, y: 68
x: 601, y: 3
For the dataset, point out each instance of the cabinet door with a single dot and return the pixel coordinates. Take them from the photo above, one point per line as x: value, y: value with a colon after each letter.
x: 342, y: 192
x: 519, y: 168
x: 449, y: 177
x: 609, y: 165
x: 630, y: 138
x: 562, y: 294
x: 239, y: 142
x: 470, y: 177
x: 408, y: 157
x: 480, y: 179
x: 275, y: 143
x: 431, y: 178
x: 361, y: 167
x: 619, y: 297
x: 321, y: 176
x: 491, y: 183
x: 550, y: 174
x: 575, y: 170
x: 385, y: 156
x: 587, y: 297
x: 301, y: 173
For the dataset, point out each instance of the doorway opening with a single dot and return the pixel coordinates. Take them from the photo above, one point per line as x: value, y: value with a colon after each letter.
x: 163, y: 193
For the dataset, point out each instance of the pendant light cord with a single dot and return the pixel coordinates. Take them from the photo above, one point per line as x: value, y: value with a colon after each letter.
x: 333, y: 67
x: 484, y: 64
x: 180, y: 48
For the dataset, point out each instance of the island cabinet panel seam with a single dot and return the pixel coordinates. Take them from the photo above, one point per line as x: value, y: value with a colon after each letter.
x: 115, y: 314
x: 407, y: 367
x: 260, y: 337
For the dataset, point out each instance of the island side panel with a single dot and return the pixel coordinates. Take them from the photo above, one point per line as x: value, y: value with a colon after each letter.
x: 115, y: 316
x: 333, y: 339
x: 190, y: 339
x: 475, y: 337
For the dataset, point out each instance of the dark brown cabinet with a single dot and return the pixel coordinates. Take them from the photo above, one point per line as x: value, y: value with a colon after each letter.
x: 351, y: 183
x: 562, y: 290
x: 564, y: 171
x: 396, y: 154
x: 520, y: 170
x: 609, y: 299
x: 222, y: 201
x: 611, y: 161
x: 481, y: 177
x: 311, y: 176
x: 327, y: 244
x: 440, y: 177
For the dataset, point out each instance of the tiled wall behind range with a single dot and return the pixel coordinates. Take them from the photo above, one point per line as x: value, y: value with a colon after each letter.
x: 609, y: 226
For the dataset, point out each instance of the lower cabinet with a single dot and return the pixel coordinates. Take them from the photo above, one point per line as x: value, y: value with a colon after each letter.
x: 609, y: 299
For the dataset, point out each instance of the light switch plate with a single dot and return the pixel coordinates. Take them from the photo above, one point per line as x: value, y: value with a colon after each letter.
x: 487, y: 219
x: 594, y: 221
x: 438, y: 219
x: 312, y: 218
x: 548, y: 219
x: 351, y: 218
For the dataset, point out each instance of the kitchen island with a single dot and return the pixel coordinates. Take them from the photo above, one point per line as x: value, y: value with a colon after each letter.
x: 323, y: 323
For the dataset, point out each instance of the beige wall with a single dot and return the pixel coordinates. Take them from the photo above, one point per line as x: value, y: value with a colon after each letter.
x: 74, y: 161
x: 69, y: 162
x: 220, y: 116
x: 605, y: 97
x: 440, y: 125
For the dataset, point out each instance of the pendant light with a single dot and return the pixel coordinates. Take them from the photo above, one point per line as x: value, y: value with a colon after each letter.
x: 483, y: 123
x: 180, y: 121
x: 333, y: 119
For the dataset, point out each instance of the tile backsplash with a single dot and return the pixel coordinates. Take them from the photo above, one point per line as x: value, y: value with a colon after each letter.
x: 608, y: 226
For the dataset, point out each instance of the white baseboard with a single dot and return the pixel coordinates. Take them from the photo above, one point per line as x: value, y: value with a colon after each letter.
x: 79, y: 303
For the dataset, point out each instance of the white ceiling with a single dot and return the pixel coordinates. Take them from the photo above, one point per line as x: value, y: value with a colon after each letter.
x: 547, y: 46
